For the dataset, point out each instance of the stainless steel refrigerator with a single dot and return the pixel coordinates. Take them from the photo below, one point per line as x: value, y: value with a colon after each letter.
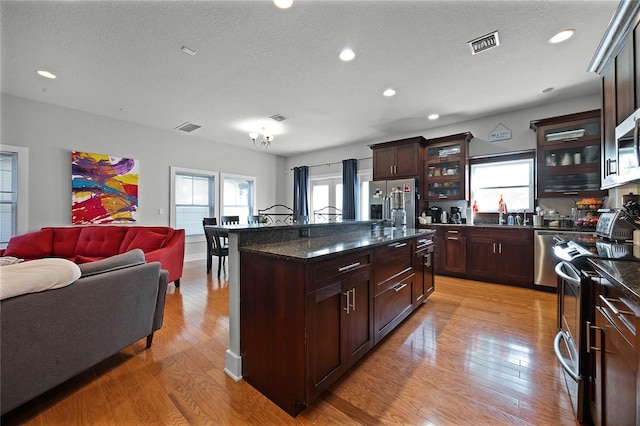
x: 379, y: 202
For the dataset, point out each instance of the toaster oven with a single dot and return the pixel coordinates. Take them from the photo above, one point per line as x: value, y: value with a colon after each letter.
x: 613, y: 225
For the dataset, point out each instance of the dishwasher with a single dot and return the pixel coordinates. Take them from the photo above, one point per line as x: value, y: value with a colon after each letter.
x: 544, y: 272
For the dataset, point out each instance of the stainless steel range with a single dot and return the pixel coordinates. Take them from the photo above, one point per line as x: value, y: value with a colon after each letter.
x: 576, y: 307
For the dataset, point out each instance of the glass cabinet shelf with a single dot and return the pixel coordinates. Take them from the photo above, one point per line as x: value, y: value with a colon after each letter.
x: 445, y: 167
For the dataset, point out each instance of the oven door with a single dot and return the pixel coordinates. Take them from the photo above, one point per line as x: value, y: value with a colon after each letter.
x: 567, y: 342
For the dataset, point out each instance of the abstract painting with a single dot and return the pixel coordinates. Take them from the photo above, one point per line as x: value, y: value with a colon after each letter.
x: 104, y: 189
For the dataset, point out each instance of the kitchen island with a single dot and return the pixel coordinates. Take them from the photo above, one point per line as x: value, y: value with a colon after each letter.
x: 312, y: 307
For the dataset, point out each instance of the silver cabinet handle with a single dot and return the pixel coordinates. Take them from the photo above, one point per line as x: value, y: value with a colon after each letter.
x: 494, y: 248
x: 452, y: 238
x: 589, y: 328
x: 499, y: 248
x: 452, y: 231
x: 349, y: 267
x: 400, y: 245
x: 353, y: 299
x: 347, y: 307
x: 613, y: 309
x: 571, y: 193
x: 400, y: 287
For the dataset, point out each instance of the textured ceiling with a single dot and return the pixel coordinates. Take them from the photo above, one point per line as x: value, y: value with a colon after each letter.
x: 122, y: 59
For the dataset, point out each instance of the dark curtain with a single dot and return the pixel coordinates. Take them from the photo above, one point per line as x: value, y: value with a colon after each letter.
x: 349, y: 188
x: 301, y: 191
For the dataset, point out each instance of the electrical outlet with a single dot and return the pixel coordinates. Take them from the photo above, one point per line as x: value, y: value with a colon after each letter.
x: 305, y: 232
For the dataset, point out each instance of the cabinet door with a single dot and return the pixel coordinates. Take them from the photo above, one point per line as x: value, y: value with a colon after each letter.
x: 516, y: 259
x: 609, y: 156
x: 384, y: 161
x: 624, y: 82
x: 326, y: 337
x: 407, y: 160
x: 482, y: 262
x: 616, y: 376
x: 455, y: 248
x: 424, y: 283
x: 359, y: 316
x: 439, y: 252
x: 392, y: 306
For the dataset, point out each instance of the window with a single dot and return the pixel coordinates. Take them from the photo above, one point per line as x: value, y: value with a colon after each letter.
x: 238, y: 194
x: 509, y: 176
x: 325, y: 192
x: 193, y: 198
x: 13, y: 192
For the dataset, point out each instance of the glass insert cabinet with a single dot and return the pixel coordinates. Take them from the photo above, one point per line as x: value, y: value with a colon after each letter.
x: 446, y: 167
x: 568, y: 159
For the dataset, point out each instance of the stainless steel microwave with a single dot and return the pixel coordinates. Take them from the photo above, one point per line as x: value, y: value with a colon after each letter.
x: 628, y: 149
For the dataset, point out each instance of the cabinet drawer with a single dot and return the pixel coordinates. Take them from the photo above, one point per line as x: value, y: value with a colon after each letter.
x: 390, y: 261
x: 620, y: 314
x: 327, y: 272
x: 393, y: 305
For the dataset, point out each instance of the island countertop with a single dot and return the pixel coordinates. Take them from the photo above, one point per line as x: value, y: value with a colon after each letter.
x: 623, y: 273
x: 310, y: 249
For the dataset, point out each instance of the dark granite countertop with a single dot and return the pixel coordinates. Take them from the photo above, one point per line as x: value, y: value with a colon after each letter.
x: 623, y: 273
x: 507, y: 227
x: 311, y: 249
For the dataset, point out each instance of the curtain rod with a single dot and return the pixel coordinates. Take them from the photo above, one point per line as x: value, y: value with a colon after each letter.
x: 336, y: 162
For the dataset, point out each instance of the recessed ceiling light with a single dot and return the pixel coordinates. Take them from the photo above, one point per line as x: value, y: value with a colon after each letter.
x: 389, y: 92
x: 562, y: 36
x: 433, y: 116
x: 550, y: 89
x: 347, y: 55
x: 45, y: 74
x: 283, y: 4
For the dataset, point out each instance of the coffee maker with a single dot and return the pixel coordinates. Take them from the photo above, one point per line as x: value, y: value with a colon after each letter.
x: 436, y: 214
x: 455, y: 216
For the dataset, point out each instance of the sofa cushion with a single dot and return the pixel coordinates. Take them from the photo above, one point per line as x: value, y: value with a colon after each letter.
x: 64, y: 241
x: 119, y: 261
x: 147, y: 241
x: 99, y: 241
x: 37, y: 275
x: 30, y: 246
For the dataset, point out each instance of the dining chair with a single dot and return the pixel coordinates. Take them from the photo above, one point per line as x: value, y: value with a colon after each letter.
x: 229, y: 220
x: 216, y: 244
x: 253, y: 219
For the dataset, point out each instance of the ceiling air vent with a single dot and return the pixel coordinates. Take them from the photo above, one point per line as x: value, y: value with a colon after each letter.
x: 278, y: 117
x: 188, y: 127
x: 485, y: 42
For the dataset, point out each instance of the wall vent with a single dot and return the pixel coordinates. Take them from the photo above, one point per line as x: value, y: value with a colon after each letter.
x: 484, y: 43
x: 188, y: 127
x: 278, y: 117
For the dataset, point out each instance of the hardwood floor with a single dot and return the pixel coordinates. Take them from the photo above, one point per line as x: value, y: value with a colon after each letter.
x: 474, y: 354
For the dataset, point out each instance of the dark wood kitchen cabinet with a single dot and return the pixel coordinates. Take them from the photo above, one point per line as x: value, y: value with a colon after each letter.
x: 568, y: 155
x: 423, y: 265
x: 339, y: 319
x: 501, y: 256
x: 615, y: 348
x: 305, y: 322
x: 446, y: 168
x: 451, y: 250
x: 617, y: 60
x: 394, y: 285
x: 398, y: 159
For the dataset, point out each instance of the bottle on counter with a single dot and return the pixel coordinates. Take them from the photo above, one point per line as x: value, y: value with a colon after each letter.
x: 475, y: 206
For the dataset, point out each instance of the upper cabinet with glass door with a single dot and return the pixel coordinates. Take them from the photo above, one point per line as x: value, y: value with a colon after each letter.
x: 568, y: 160
x: 446, y: 168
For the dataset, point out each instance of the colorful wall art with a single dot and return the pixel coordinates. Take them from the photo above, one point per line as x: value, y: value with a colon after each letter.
x: 104, y: 189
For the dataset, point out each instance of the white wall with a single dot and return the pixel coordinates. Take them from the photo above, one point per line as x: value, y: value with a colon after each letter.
x: 523, y: 138
x: 51, y: 133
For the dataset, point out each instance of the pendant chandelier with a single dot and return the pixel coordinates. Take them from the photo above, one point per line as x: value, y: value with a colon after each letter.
x: 266, y: 139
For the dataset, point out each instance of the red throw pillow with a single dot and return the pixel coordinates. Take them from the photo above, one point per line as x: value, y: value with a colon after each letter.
x: 147, y: 241
x: 33, y: 245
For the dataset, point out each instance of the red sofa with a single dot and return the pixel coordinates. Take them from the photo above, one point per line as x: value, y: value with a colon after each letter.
x: 90, y: 243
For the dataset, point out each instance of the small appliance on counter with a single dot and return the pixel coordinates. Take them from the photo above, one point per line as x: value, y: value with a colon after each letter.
x: 455, y: 216
x: 436, y: 214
